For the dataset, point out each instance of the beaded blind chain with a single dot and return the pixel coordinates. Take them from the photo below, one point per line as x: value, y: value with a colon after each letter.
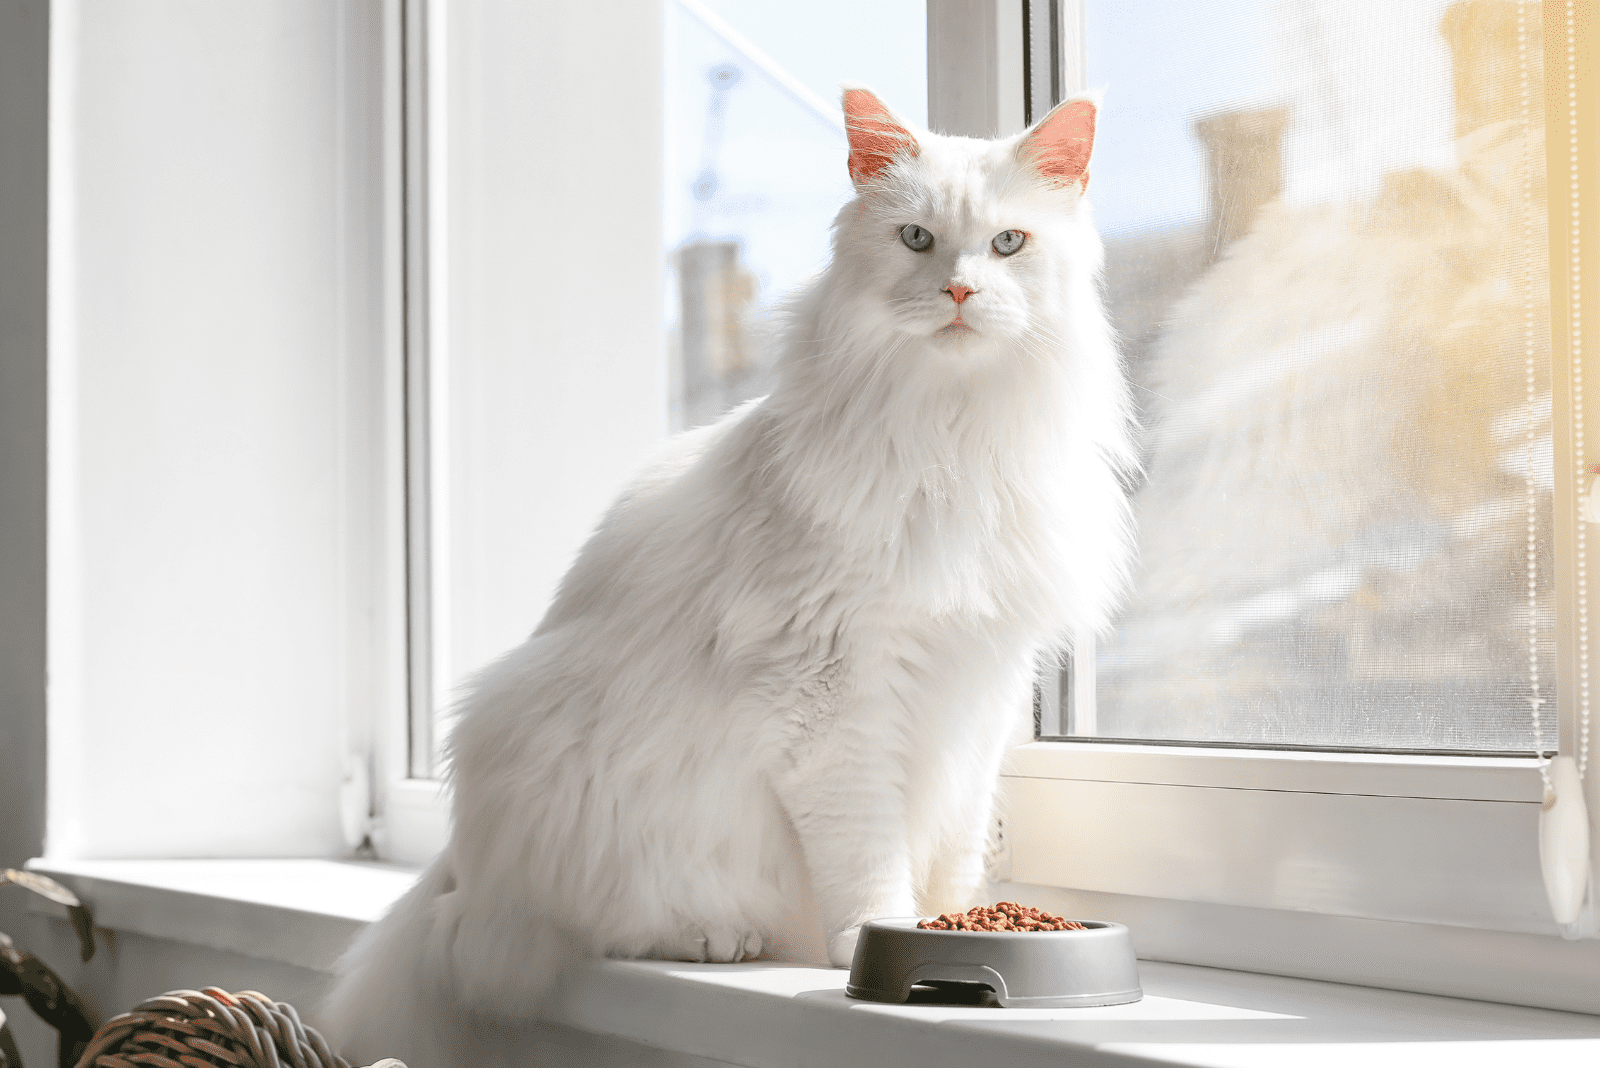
x: 1535, y: 701
x: 1575, y: 333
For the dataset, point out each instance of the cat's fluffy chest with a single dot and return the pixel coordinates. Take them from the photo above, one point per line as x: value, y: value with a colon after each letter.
x: 935, y: 582
x: 950, y: 526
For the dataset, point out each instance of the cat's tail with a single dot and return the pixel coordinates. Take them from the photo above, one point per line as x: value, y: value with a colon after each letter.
x: 419, y: 984
x: 391, y: 997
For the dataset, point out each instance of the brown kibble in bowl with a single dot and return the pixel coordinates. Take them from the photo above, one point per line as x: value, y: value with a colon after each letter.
x: 1003, y: 916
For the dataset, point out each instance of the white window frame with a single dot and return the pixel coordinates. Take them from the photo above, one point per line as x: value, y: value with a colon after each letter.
x: 1406, y: 871
x: 413, y: 809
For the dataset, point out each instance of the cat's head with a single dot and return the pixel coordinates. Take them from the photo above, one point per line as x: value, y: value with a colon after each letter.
x: 967, y: 244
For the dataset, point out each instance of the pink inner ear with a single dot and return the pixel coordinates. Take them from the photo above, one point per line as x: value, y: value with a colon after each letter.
x: 876, y: 140
x: 1059, y: 147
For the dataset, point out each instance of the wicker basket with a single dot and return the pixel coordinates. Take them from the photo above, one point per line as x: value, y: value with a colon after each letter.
x: 212, y: 1028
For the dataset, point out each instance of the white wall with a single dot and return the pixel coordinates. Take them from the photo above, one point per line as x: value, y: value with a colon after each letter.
x: 24, y: 51
x: 24, y: 71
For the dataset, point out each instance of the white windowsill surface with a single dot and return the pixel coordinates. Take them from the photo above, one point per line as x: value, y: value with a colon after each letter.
x: 769, y: 1016
x: 300, y: 912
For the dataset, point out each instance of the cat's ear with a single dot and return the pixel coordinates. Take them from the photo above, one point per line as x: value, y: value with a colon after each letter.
x: 1059, y: 146
x: 877, y: 138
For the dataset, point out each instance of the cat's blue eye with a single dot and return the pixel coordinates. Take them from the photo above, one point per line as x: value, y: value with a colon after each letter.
x: 1008, y: 241
x: 916, y: 238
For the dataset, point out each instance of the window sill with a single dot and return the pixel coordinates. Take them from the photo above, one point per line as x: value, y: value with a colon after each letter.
x: 303, y: 912
x: 300, y: 912
x: 1456, y: 778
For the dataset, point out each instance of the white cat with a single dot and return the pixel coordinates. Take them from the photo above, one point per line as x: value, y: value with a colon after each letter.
x: 770, y: 699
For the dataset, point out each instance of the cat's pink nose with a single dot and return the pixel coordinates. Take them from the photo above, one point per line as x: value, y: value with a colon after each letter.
x: 958, y: 293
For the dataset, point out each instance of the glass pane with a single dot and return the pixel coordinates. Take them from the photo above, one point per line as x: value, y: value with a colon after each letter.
x: 1326, y: 252
x: 756, y: 168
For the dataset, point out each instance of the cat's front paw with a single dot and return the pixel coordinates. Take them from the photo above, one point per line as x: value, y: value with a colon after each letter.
x: 842, y: 947
x: 720, y: 945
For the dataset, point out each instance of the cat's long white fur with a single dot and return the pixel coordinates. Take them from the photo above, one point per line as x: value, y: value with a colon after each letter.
x: 817, y: 618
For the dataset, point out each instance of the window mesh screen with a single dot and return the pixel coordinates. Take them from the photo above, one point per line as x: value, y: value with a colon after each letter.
x: 1327, y: 254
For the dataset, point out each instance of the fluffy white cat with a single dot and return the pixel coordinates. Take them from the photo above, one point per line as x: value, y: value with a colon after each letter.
x: 770, y: 699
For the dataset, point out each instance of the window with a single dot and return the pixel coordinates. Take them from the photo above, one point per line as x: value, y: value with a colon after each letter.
x: 1327, y: 256
x: 1347, y: 272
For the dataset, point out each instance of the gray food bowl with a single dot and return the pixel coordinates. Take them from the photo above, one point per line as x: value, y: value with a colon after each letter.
x: 1025, y: 969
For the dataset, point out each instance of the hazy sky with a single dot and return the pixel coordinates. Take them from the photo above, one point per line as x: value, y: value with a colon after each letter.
x: 1367, y: 83
x: 1159, y: 65
x: 879, y: 43
x: 778, y: 167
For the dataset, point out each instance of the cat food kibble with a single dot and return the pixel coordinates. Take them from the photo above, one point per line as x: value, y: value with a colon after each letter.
x: 1004, y: 916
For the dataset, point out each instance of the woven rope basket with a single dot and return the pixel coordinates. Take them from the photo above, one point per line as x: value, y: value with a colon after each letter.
x: 212, y: 1028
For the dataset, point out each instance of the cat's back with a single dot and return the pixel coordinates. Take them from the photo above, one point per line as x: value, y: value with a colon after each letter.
x: 659, y: 525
